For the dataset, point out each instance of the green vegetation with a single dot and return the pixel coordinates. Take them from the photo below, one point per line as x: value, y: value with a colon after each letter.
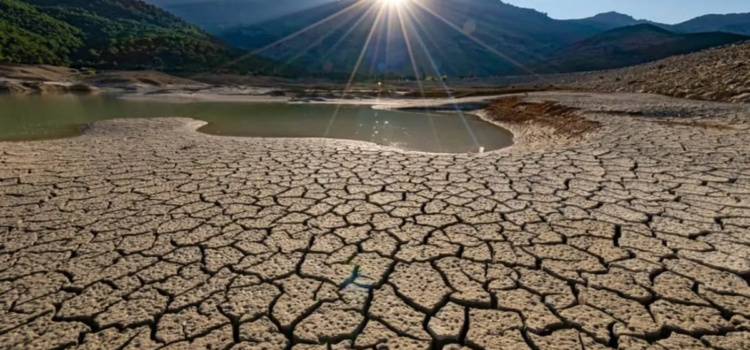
x: 122, y: 34
x: 31, y: 36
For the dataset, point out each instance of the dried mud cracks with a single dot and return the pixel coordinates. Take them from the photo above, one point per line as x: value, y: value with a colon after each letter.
x: 144, y: 234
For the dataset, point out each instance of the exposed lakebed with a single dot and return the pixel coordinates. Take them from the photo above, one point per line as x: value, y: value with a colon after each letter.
x: 48, y: 117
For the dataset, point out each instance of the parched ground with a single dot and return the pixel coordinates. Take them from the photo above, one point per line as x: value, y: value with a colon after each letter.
x: 718, y: 74
x: 144, y: 234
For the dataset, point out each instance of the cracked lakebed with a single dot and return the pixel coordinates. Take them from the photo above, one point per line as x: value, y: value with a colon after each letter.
x: 145, y: 234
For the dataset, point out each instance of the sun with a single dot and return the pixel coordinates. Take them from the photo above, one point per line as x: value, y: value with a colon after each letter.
x: 394, y: 3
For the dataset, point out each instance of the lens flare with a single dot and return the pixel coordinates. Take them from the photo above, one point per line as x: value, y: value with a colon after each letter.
x: 394, y: 3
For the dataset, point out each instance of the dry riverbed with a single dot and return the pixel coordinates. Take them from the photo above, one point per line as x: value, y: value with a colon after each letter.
x: 626, y: 227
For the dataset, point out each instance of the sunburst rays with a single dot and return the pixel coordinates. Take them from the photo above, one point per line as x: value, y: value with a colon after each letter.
x: 289, y: 37
x: 398, y: 21
x: 401, y: 10
x: 356, y: 67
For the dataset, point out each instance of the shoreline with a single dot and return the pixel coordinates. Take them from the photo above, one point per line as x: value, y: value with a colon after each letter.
x: 381, y: 103
x: 404, y: 105
x: 477, y: 103
x: 529, y: 134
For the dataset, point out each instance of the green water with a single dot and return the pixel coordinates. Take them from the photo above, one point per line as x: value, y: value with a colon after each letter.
x: 47, y: 117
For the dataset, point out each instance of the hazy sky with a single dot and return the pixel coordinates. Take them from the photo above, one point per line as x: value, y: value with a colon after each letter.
x: 665, y: 11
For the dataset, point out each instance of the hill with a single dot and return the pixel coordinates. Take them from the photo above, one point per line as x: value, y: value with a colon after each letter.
x: 452, y: 37
x: 31, y: 36
x: 448, y: 37
x: 732, y: 23
x: 502, y: 38
x: 631, y: 46
x: 718, y: 74
x: 123, y: 34
x: 215, y: 16
x: 738, y: 23
x: 609, y: 20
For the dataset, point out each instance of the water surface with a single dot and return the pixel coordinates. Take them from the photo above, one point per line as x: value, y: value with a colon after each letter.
x: 45, y: 117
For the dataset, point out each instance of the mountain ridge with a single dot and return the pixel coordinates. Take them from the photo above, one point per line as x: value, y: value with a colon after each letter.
x: 717, y: 74
x: 525, y: 37
x: 632, y: 45
x: 733, y: 23
x: 737, y: 23
x: 208, y: 15
x: 217, y: 15
x: 612, y: 20
x: 340, y: 38
x: 438, y: 47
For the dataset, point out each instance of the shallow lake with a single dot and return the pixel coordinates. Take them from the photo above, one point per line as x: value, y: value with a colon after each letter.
x: 46, y: 117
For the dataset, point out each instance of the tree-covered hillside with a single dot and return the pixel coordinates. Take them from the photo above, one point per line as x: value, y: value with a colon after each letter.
x: 31, y: 36
x: 123, y: 34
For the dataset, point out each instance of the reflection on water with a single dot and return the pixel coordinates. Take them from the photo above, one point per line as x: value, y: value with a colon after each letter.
x: 43, y: 117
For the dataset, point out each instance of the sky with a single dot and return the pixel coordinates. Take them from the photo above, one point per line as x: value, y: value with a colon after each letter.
x: 664, y: 11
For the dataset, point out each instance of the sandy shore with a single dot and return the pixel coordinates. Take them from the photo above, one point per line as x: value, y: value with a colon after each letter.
x: 145, y: 234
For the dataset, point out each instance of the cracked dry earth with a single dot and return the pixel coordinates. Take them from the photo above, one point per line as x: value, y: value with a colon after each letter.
x: 144, y: 234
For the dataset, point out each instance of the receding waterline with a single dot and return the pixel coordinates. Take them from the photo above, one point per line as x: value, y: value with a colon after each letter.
x: 50, y: 117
